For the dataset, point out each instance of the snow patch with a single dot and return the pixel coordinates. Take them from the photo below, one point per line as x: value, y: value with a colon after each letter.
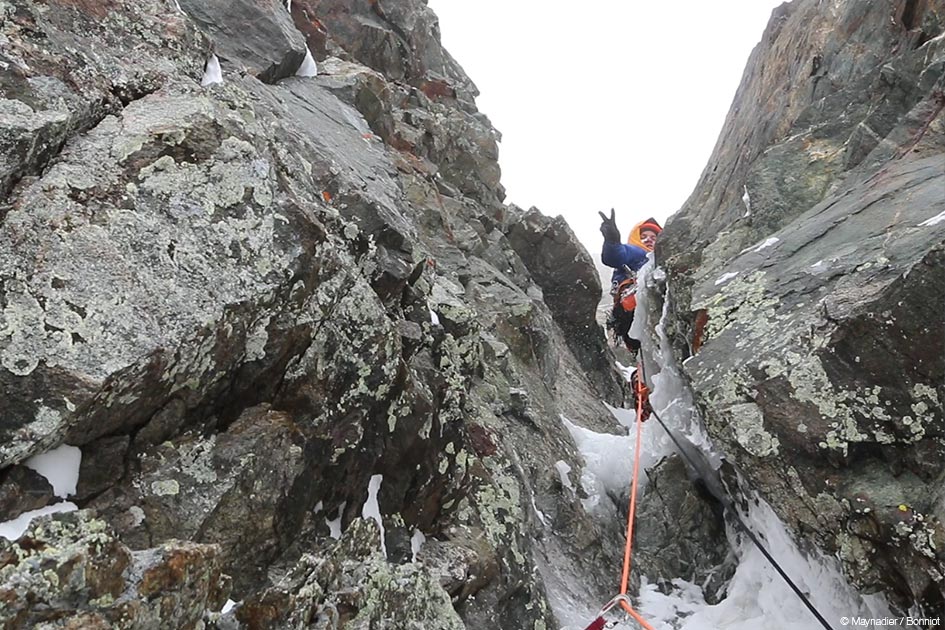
x: 13, y: 529
x: 60, y: 467
x: 227, y: 607
x: 626, y: 417
x: 308, y: 68
x: 434, y: 318
x: 212, y: 72
x: 539, y: 513
x: 725, y: 277
x: 416, y: 544
x: 938, y: 218
x: 608, y: 461
x: 371, y: 509
x: 625, y: 370
x: 768, y: 242
x: 334, y: 525
x: 757, y: 596
x: 563, y: 471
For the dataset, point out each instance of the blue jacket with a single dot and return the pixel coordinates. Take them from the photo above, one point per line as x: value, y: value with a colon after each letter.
x: 617, y: 255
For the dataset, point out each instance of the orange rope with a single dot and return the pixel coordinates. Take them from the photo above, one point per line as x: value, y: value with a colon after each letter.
x: 625, y: 577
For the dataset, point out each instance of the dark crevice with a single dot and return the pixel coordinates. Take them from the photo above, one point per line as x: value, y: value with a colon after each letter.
x: 932, y: 599
x: 54, y: 137
x: 815, y: 64
x: 78, y: 310
x: 127, y: 94
x: 909, y: 14
x: 922, y: 40
x: 938, y: 98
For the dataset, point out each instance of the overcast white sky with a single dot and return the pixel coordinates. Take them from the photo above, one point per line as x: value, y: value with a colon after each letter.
x: 603, y: 103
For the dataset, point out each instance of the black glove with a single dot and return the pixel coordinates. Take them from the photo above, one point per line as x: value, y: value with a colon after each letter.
x: 609, y: 228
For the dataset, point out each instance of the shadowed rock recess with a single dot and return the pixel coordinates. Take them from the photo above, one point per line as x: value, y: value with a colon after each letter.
x: 807, y: 283
x: 245, y: 301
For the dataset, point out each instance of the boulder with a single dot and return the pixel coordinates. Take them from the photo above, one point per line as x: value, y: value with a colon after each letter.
x: 212, y: 491
x: 683, y: 532
x: 352, y: 586
x: 400, y: 40
x: 252, y: 36
x: 552, y: 253
x: 69, y: 570
x: 48, y: 94
x: 23, y: 489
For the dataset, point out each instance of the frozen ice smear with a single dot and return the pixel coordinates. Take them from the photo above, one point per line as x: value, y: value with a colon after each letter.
x: 416, y: 544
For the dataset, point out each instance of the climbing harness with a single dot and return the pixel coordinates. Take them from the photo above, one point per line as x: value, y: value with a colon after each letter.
x: 622, y: 599
x: 620, y: 317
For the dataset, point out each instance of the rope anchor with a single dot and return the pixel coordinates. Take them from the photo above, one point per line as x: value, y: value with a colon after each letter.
x: 623, y: 601
x: 599, y: 622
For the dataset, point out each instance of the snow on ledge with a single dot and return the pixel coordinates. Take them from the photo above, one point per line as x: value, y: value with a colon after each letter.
x: 308, y: 68
x: 416, y: 544
x: 60, y: 467
x: 212, y: 73
x: 13, y: 529
x: 371, y: 509
x: 725, y: 277
x: 938, y: 218
x: 757, y: 248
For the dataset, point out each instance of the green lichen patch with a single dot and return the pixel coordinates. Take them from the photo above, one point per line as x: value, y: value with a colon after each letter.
x: 747, y: 423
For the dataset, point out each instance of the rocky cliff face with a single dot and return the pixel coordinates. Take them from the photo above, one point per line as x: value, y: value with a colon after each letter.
x: 316, y: 366
x: 273, y: 310
x: 807, y: 282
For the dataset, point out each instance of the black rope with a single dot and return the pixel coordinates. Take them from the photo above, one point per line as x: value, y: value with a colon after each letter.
x: 738, y: 519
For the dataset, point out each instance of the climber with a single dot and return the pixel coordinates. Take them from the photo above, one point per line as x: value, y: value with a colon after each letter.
x: 626, y: 259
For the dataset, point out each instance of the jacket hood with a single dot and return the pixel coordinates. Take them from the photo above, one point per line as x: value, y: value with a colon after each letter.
x: 648, y: 224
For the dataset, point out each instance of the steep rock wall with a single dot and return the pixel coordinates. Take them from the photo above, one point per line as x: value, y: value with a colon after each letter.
x: 261, y: 305
x: 807, y: 282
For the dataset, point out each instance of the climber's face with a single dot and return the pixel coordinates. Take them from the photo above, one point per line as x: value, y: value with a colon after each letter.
x: 648, y: 237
